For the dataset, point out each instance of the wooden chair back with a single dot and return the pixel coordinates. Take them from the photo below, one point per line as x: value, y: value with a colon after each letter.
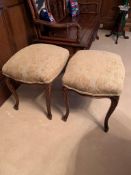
x: 33, y: 9
x: 57, y: 8
x: 72, y: 32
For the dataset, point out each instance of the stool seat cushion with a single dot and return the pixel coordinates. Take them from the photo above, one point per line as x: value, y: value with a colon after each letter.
x: 37, y: 63
x: 95, y: 73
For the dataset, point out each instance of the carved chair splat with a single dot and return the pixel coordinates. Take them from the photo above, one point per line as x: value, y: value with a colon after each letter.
x: 76, y: 33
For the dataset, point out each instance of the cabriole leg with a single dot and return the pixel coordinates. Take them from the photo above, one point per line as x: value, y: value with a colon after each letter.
x: 48, y: 100
x: 114, y: 103
x: 65, y: 92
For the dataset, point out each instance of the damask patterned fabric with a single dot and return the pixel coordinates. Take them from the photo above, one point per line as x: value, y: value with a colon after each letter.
x: 37, y: 63
x: 96, y: 73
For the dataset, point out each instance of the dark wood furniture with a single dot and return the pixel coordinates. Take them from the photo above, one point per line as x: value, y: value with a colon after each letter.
x: 114, y: 103
x: 73, y: 33
x: 109, y: 11
x: 128, y: 23
x: 15, y: 33
x: 95, y: 74
x: 119, y: 26
x: 47, y: 88
x: 22, y: 68
x: 16, y: 30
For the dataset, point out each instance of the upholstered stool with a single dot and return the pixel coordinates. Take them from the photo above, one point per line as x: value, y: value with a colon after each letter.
x: 97, y: 74
x: 36, y: 64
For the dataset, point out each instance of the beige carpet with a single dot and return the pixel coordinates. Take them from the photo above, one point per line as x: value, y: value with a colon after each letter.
x: 30, y: 144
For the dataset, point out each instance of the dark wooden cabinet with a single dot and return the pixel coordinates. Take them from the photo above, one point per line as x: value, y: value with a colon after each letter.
x: 16, y: 32
x: 128, y: 24
x: 109, y: 12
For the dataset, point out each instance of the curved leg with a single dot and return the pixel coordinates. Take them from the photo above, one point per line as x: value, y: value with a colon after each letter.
x: 13, y: 91
x: 117, y: 36
x: 65, y: 91
x: 114, y: 103
x: 48, y: 100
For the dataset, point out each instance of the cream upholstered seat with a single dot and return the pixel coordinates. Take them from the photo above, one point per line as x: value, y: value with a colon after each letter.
x: 37, y: 63
x: 97, y: 74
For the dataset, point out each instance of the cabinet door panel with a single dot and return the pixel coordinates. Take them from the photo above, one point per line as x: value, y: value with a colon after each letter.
x: 108, y: 12
x: 15, y: 33
x: 128, y: 25
x: 5, y: 46
x: 18, y: 22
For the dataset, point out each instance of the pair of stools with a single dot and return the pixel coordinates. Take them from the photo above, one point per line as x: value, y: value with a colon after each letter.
x: 91, y: 73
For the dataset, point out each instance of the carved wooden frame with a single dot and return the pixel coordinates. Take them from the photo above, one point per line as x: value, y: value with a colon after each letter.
x: 60, y: 25
x: 38, y: 22
x: 48, y: 88
x: 114, y: 103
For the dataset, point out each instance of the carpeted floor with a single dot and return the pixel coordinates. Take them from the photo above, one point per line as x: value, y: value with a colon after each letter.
x: 30, y: 144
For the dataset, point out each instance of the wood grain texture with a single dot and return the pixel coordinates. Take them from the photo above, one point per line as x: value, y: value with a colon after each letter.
x: 109, y: 11
x: 16, y: 32
x: 128, y: 24
x: 77, y: 33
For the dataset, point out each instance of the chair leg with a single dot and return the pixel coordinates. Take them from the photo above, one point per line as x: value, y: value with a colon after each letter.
x: 48, y: 100
x: 114, y: 103
x: 13, y: 91
x: 66, y: 100
x: 117, y: 37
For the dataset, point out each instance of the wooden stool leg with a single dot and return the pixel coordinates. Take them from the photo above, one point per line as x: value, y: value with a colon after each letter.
x: 13, y: 91
x: 117, y: 37
x: 114, y: 103
x: 48, y: 100
x: 65, y: 91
